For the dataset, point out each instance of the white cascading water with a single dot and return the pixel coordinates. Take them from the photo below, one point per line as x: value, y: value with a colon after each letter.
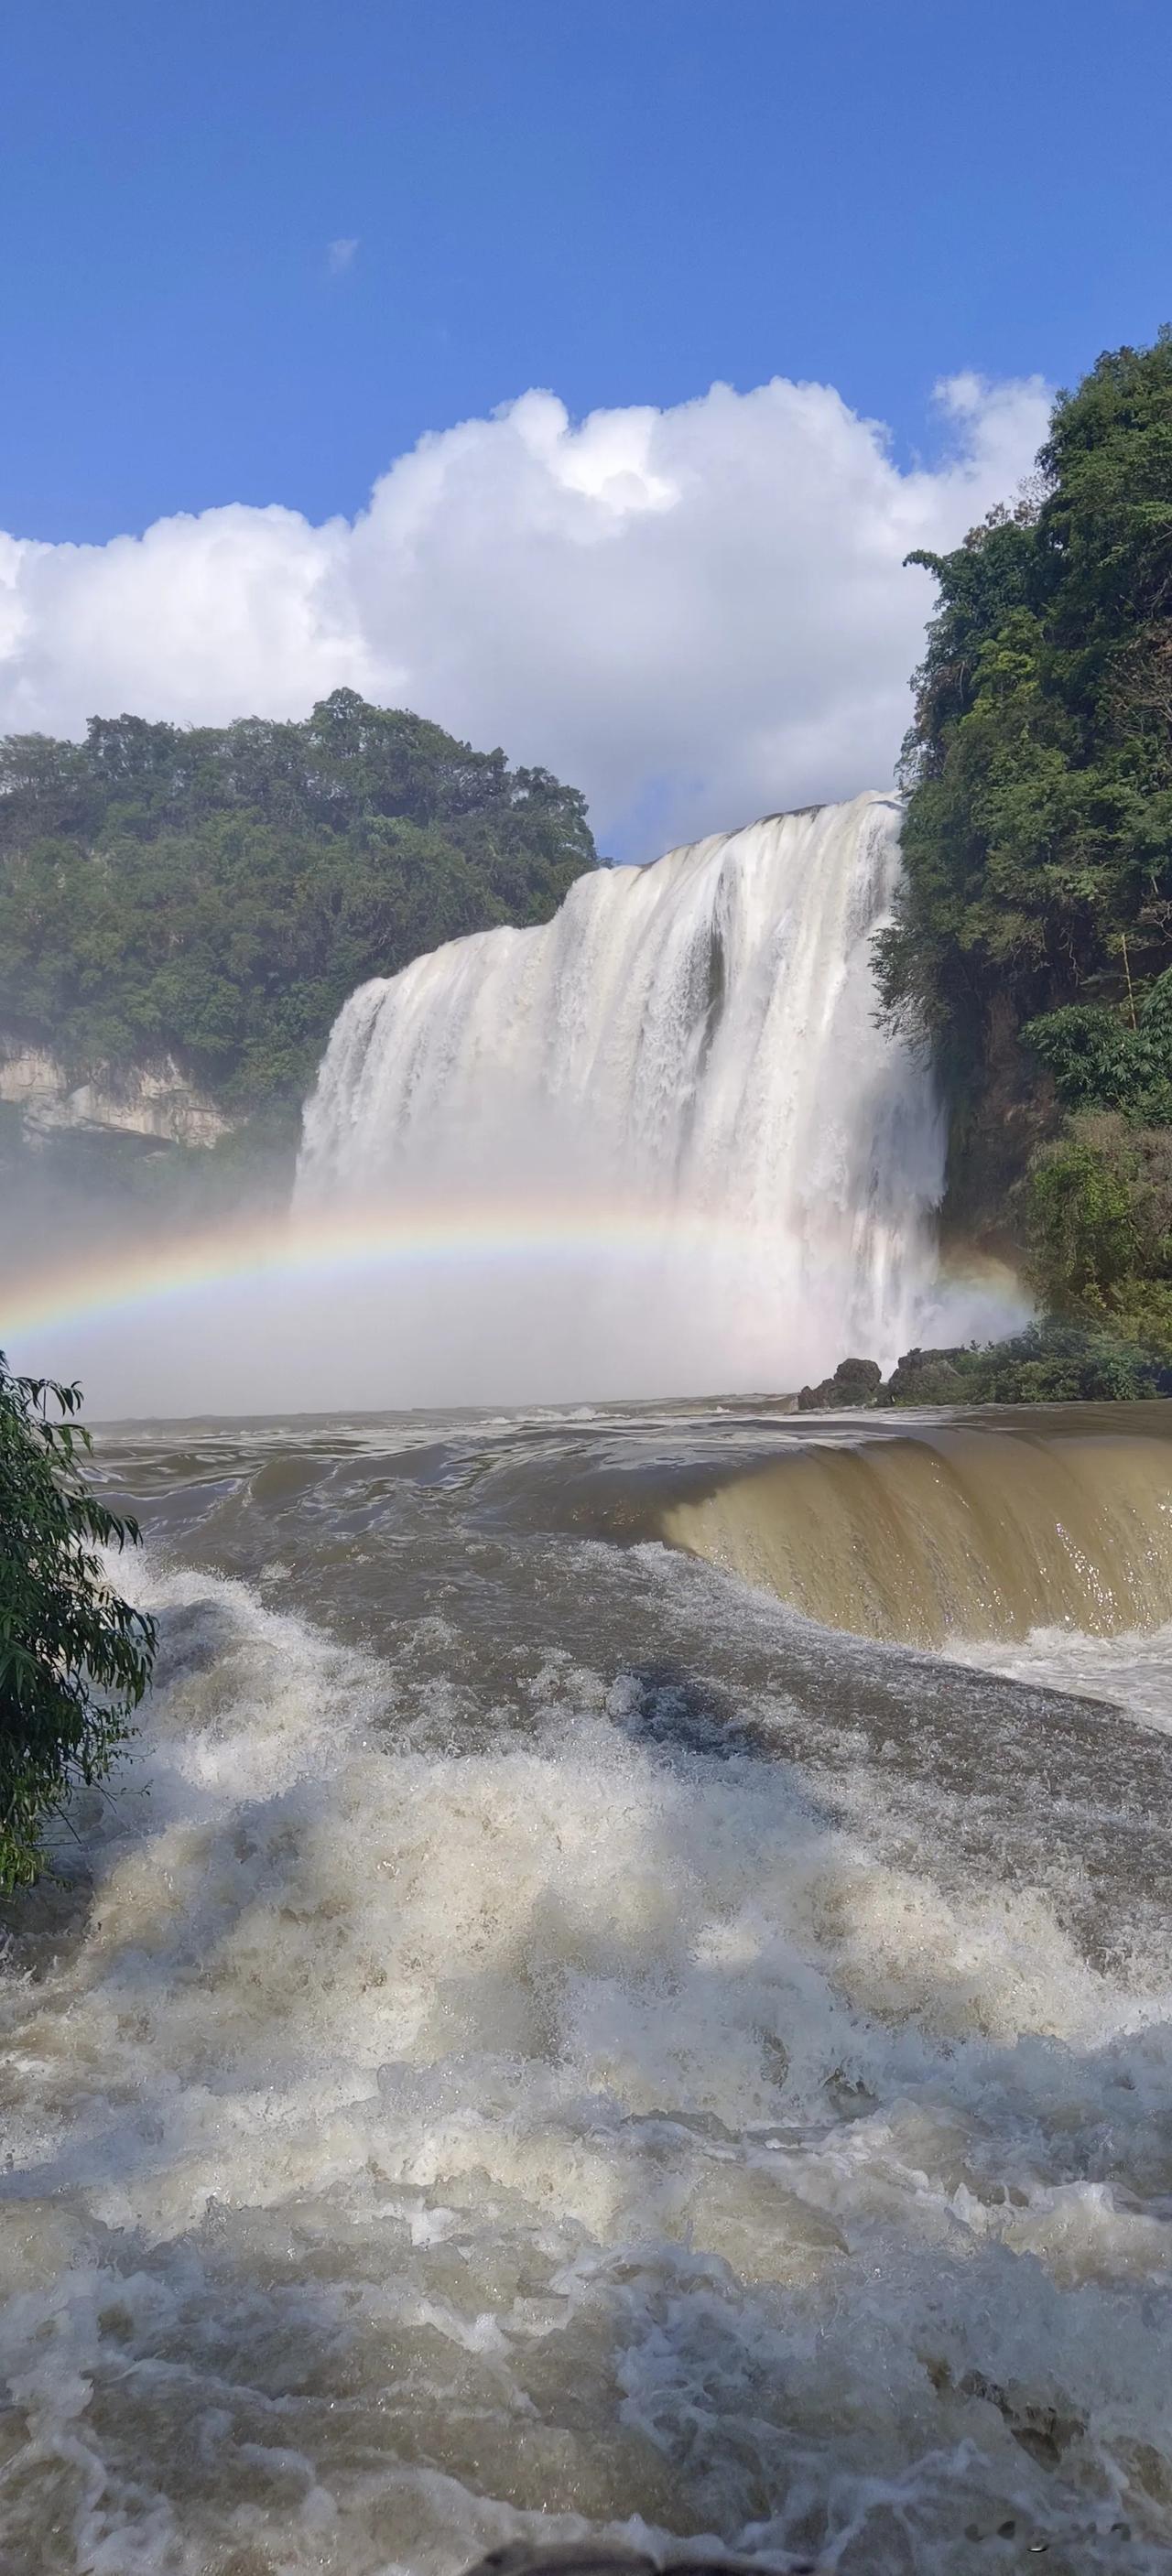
x: 685, y: 1064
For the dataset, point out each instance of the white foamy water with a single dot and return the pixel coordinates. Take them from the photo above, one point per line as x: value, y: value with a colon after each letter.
x: 686, y: 1062
x: 459, y: 2100
x: 1132, y: 1671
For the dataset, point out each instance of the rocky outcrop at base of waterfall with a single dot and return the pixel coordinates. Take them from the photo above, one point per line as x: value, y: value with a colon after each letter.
x: 154, y: 1102
x: 1051, y: 1362
x: 854, y: 1382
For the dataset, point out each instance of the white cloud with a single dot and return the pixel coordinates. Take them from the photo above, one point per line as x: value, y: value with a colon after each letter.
x: 339, y: 254
x: 697, y: 615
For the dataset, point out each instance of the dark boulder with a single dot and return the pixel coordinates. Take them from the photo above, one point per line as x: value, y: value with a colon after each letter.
x: 854, y: 1382
x: 927, y: 1377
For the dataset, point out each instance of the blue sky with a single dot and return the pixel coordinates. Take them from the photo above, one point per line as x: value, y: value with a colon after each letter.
x: 621, y: 199
x: 254, y: 254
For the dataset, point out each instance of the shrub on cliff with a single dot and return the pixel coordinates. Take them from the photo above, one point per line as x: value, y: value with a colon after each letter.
x: 1056, y: 1363
x: 1098, y: 1218
x: 1111, y: 1059
x: 75, y: 1658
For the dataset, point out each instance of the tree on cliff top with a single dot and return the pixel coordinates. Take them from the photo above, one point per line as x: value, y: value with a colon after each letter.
x: 75, y: 1659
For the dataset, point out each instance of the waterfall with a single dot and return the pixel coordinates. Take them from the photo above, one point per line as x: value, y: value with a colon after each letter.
x: 982, y: 1531
x: 680, y: 1079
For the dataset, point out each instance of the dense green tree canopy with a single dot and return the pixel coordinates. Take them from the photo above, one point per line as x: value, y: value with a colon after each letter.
x: 1038, y: 840
x: 215, y: 894
x: 1034, y: 943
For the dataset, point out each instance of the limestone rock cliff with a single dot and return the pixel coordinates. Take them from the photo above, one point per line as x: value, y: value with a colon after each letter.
x: 154, y: 1101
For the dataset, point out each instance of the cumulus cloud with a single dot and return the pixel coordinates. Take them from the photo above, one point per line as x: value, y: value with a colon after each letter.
x: 339, y: 254
x: 698, y: 614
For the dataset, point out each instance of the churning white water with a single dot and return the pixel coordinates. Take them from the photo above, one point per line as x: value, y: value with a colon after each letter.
x: 544, y: 2042
x: 685, y: 1064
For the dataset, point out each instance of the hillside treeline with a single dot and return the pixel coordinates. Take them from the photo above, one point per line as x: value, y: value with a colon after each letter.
x: 214, y: 894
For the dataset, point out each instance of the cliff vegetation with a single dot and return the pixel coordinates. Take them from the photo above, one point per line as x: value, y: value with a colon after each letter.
x: 1033, y: 951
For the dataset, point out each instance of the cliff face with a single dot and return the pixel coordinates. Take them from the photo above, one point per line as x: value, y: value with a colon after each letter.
x: 1000, y: 1116
x: 154, y: 1101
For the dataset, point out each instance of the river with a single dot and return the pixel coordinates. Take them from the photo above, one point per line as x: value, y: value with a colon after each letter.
x: 543, y: 2027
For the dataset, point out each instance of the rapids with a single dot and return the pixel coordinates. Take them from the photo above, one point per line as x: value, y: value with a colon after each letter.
x: 545, y: 2028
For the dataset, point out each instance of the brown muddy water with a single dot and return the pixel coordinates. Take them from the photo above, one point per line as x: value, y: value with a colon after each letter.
x: 625, y: 1989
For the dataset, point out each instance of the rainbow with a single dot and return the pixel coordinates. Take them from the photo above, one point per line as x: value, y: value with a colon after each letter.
x: 353, y: 1249
x: 77, y: 1291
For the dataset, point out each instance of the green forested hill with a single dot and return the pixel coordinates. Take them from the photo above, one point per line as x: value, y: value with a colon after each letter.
x: 215, y: 894
x: 1034, y: 947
